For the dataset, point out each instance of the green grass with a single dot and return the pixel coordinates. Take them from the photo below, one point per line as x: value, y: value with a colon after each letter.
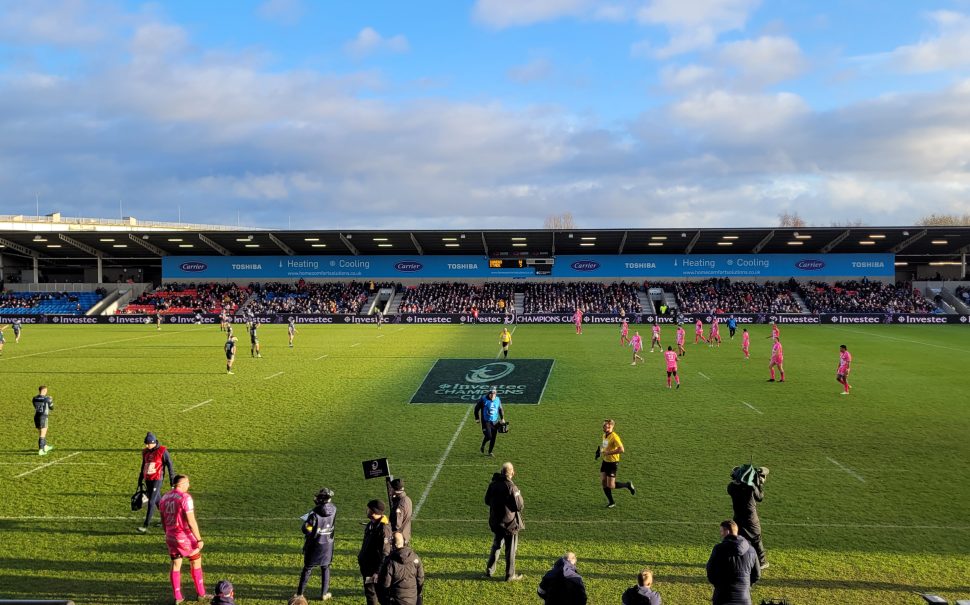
x: 263, y: 446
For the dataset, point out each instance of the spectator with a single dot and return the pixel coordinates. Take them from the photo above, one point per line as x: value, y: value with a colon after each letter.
x: 455, y: 298
x: 225, y: 594
x: 721, y: 295
x: 864, y: 297
x: 747, y: 490
x: 562, y: 585
x: 642, y: 593
x: 732, y: 568
x: 591, y: 297
x: 401, y: 579
x: 374, y: 548
x: 505, y: 504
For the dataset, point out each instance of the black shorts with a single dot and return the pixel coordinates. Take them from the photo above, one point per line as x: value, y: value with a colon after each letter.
x: 254, y: 341
x: 40, y: 421
x: 505, y: 345
x: 230, y: 356
x: 609, y: 468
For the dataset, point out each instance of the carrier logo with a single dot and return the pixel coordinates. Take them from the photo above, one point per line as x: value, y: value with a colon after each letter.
x: 193, y: 267
x: 585, y: 265
x: 810, y: 264
x: 490, y: 372
x: 408, y: 266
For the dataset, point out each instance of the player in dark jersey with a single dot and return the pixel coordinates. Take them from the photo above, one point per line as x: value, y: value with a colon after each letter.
x: 154, y: 462
x: 291, y: 330
x: 254, y: 340
x: 158, y: 320
x: 2, y: 341
x: 230, y: 353
x: 380, y: 317
x: 16, y: 330
x: 43, y: 404
x: 224, y: 322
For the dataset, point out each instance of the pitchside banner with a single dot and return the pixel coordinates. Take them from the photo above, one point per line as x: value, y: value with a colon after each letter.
x: 466, y: 380
x: 633, y: 266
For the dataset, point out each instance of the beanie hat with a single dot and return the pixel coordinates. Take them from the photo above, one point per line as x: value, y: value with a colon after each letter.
x: 376, y: 506
x: 224, y: 588
x: 150, y: 438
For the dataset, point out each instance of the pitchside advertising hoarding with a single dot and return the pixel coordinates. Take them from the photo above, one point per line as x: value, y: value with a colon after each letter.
x: 633, y: 266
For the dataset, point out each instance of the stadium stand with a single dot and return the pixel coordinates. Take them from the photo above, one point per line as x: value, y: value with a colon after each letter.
x: 456, y: 298
x: 725, y: 296
x: 963, y: 294
x: 52, y: 303
x: 864, y: 297
x: 565, y: 297
x: 306, y: 297
x: 189, y: 298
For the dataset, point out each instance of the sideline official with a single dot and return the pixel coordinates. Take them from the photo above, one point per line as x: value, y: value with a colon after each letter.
x: 374, y: 548
x: 318, y: 525
x: 505, y: 504
x: 401, y: 509
x: 489, y: 411
x: 155, y: 461
x: 401, y: 581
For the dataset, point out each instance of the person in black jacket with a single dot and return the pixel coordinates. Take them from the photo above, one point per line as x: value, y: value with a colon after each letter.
x: 642, y: 593
x: 374, y: 548
x: 401, y: 508
x: 504, y: 501
x: 401, y: 580
x: 318, y: 526
x: 732, y: 568
x: 562, y: 585
x: 225, y: 594
x: 746, y: 490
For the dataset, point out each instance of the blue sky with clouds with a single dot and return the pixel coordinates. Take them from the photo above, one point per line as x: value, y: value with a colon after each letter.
x: 486, y: 113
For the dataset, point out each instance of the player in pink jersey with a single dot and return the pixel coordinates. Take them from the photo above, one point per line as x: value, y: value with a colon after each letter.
x: 681, y: 337
x: 777, y: 361
x: 671, y: 356
x: 775, y: 332
x: 746, y: 343
x: 182, y: 536
x: 624, y: 333
x: 655, y: 337
x: 842, y: 374
x: 715, y: 336
x: 578, y: 319
x: 637, y: 343
x: 699, y: 331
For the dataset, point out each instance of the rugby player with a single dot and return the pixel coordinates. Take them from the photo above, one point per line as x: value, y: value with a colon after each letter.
x: 715, y: 336
x: 2, y: 339
x: 506, y: 339
x: 637, y: 343
x: 291, y: 330
x: 43, y: 404
x: 775, y: 332
x: 254, y: 340
x: 182, y: 536
x: 578, y: 319
x: 746, y: 343
x: 681, y: 337
x: 16, y: 330
x: 671, y: 357
x: 699, y: 331
x: 624, y: 332
x: 610, y: 449
x: 158, y: 320
x: 230, y: 352
x: 655, y: 337
x: 380, y: 317
x: 842, y: 374
x: 777, y: 360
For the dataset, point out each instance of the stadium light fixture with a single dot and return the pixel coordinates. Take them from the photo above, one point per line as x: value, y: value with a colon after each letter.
x: 730, y: 237
x: 518, y: 239
x: 802, y: 236
x: 186, y: 246
x: 380, y: 239
x: 106, y: 239
x: 877, y: 236
x: 248, y: 238
x: 659, y: 238
x: 385, y: 245
x: 452, y: 245
x: 901, y: 264
x: 795, y: 243
x: 587, y: 244
x: 311, y: 239
x: 318, y: 245
x: 449, y: 239
x: 175, y: 239
x: 655, y: 244
x: 53, y: 245
x: 588, y: 239
x: 252, y: 245
x: 725, y: 243
x: 120, y: 246
x: 519, y: 245
x: 939, y: 242
x: 867, y: 242
x: 38, y: 238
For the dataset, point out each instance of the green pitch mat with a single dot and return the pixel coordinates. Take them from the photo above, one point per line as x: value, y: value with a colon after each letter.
x: 466, y: 380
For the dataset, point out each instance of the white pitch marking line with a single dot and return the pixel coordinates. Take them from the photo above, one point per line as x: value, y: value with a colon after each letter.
x: 399, y: 329
x: 356, y: 344
x: 380, y: 336
x: 197, y: 405
x: 273, y: 375
x: 918, y: 342
x: 441, y: 463
x: 704, y: 375
x: 52, y: 462
x: 323, y: 356
x: 846, y: 469
x: 752, y: 407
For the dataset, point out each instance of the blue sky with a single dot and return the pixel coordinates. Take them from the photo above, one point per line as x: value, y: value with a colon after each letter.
x: 487, y: 113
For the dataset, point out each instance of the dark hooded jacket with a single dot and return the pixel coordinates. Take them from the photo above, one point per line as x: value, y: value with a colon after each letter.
x: 375, y: 547
x: 401, y: 512
x: 641, y: 595
x: 401, y: 581
x: 318, y: 535
x: 505, y: 505
x: 562, y: 585
x: 732, y: 569
x: 744, y: 500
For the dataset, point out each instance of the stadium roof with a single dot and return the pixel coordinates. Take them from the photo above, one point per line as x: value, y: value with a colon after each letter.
x: 904, y: 241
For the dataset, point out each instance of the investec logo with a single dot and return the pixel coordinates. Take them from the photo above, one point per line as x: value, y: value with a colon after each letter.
x: 490, y: 372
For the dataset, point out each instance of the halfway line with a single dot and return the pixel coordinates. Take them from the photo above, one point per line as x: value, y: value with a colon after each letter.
x: 441, y: 463
x: 197, y: 405
x: 846, y: 469
x: 273, y: 375
x: 704, y: 375
x: 752, y: 407
x: 34, y: 470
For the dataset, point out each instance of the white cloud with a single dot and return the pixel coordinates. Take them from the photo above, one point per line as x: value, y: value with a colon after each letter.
x: 57, y: 22
x: 737, y: 117
x: 764, y: 61
x: 687, y: 77
x: 509, y: 13
x: 369, y: 41
x: 285, y: 12
x: 949, y: 49
x: 695, y: 24
x: 535, y: 70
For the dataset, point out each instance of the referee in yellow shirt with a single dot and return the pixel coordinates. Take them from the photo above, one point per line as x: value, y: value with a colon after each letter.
x: 506, y: 339
x: 610, y: 449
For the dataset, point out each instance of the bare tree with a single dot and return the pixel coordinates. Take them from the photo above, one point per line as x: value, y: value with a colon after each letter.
x: 944, y: 220
x: 791, y: 219
x: 853, y: 223
x: 560, y: 221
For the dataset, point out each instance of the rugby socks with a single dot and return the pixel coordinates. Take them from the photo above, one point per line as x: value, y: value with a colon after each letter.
x: 772, y: 373
x: 197, y: 578
x: 783, y: 377
x: 622, y: 485
x: 609, y: 494
x: 176, y: 577
x: 41, y: 443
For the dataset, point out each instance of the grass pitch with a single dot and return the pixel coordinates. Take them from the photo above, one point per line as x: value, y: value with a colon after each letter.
x: 868, y: 498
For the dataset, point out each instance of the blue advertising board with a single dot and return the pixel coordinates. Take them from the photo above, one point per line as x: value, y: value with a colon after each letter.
x: 630, y: 266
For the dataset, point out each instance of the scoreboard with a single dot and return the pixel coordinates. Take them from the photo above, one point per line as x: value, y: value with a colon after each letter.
x: 507, y: 263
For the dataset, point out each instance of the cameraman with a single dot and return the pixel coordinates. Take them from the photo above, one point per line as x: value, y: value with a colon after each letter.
x: 746, y: 490
x: 490, y: 409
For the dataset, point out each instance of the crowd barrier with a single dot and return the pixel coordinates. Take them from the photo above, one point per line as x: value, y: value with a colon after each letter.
x: 531, y: 318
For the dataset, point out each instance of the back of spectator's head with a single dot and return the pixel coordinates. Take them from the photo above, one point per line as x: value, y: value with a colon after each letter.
x: 645, y: 577
x: 297, y: 599
x: 398, y: 540
x: 729, y: 526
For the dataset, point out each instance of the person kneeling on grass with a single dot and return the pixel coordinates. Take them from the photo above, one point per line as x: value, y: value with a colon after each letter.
x: 225, y: 594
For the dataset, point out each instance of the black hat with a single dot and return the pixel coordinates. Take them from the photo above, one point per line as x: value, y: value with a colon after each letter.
x: 323, y: 496
x: 397, y: 484
x: 150, y: 438
x: 224, y: 588
x: 376, y: 506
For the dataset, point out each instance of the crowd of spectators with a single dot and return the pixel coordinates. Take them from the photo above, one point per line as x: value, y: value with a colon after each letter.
x: 864, y: 297
x: 721, y: 295
x: 491, y: 297
x: 190, y: 298
x: 963, y: 294
x: 591, y: 297
x: 309, y: 297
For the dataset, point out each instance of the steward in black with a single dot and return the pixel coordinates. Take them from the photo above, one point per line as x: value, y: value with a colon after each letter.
x: 374, y: 548
x: 505, y: 506
x: 732, y: 569
x: 401, y: 581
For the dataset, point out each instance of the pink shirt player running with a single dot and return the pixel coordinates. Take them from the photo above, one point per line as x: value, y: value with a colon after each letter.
x: 671, y: 357
x: 745, y: 340
x: 681, y: 333
x: 698, y: 327
x: 174, y: 507
x: 656, y: 333
x: 636, y: 342
x: 624, y: 328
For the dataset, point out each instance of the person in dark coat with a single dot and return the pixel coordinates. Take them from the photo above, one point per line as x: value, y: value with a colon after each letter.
x: 642, y: 593
x: 318, y: 527
x: 401, y: 580
x: 505, y: 504
x: 401, y: 509
x: 562, y: 585
x: 374, y: 549
x: 732, y: 568
x: 746, y: 490
x: 225, y: 594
